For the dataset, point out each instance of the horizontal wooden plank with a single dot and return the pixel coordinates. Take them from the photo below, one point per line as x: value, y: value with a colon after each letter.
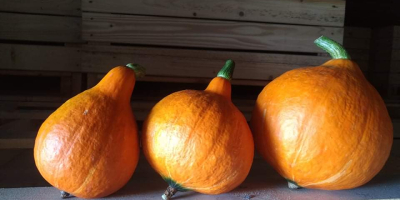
x: 356, y: 43
x: 194, y: 63
x: 387, y: 32
x: 39, y: 98
x: 388, y: 66
x: 59, y: 7
x: 203, y: 33
x: 17, y: 143
x: 311, y: 12
x: 387, y: 54
x: 140, y: 109
x: 396, y: 128
x: 166, y: 79
x: 39, y: 58
x: 39, y: 28
x: 357, y: 32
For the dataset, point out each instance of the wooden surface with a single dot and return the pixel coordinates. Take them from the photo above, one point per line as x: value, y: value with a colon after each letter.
x: 43, y: 28
x: 39, y: 58
x: 203, y: 33
x: 311, y: 12
x: 18, y: 170
x: 194, y: 63
x: 56, y: 7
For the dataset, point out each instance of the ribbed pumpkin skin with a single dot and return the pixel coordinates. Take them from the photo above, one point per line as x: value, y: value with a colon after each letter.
x: 89, y: 146
x: 200, y: 140
x: 323, y: 127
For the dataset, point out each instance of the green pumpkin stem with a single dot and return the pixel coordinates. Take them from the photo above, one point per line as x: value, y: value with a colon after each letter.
x: 65, y: 195
x: 292, y: 184
x: 139, y: 70
x: 169, y: 193
x: 334, y: 49
x: 227, y: 70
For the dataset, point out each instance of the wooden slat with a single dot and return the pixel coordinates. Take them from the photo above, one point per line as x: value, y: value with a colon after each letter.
x: 357, y: 32
x: 203, y: 33
x: 194, y: 63
x: 387, y: 32
x: 25, y: 114
x: 311, y: 12
x: 32, y: 98
x: 39, y: 28
x: 59, y: 7
x: 356, y: 43
x: 396, y: 128
x: 17, y: 143
x: 39, y: 58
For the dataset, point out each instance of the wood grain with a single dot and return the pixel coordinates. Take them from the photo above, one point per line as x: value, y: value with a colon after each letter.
x: 59, y: 7
x: 39, y: 58
x: 39, y: 28
x: 194, y: 63
x: 357, y: 32
x: 17, y: 143
x: 203, y: 33
x: 310, y: 12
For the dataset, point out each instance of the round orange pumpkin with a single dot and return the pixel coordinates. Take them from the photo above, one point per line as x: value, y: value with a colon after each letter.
x: 89, y: 146
x: 323, y: 127
x: 199, y: 140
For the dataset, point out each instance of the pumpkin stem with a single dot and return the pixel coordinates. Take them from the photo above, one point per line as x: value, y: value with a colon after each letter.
x: 139, y: 70
x: 65, y: 195
x: 293, y: 185
x: 227, y: 70
x: 334, y: 49
x: 169, y: 193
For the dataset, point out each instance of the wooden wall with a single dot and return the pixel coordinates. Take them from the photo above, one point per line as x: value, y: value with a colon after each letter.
x: 52, y: 50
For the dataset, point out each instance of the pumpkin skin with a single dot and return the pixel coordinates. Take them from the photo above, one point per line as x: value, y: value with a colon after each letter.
x: 89, y: 146
x: 323, y: 127
x: 199, y: 140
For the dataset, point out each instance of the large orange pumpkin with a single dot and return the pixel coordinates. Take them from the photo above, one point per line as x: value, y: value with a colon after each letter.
x: 323, y: 127
x: 199, y: 140
x: 89, y: 146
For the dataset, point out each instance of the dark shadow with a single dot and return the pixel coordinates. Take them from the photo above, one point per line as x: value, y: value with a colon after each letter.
x: 184, y: 195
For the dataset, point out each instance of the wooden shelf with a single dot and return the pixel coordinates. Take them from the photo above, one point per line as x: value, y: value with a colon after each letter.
x: 262, y: 183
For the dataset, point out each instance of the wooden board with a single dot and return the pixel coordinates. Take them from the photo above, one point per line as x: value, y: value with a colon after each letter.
x: 39, y: 58
x: 39, y: 28
x: 59, y: 7
x: 311, y: 12
x: 387, y: 32
x: 194, y: 63
x: 357, y: 32
x: 198, y: 33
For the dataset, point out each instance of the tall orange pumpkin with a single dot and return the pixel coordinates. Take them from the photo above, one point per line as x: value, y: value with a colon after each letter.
x: 89, y: 146
x: 199, y: 140
x: 323, y: 127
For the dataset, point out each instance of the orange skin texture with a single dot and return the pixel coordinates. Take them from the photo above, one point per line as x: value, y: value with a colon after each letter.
x: 199, y: 139
x: 323, y: 127
x: 89, y: 146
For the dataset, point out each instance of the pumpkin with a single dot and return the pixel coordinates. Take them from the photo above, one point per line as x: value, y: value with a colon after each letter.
x: 199, y: 140
x: 323, y: 127
x: 89, y: 146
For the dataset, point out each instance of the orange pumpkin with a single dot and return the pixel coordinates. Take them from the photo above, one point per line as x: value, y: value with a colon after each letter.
x: 89, y: 146
x: 323, y: 127
x: 199, y: 140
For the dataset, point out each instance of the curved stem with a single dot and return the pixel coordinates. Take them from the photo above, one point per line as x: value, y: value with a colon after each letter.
x: 292, y: 184
x: 169, y: 193
x: 227, y: 70
x: 334, y: 49
x: 139, y: 70
x: 65, y: 195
